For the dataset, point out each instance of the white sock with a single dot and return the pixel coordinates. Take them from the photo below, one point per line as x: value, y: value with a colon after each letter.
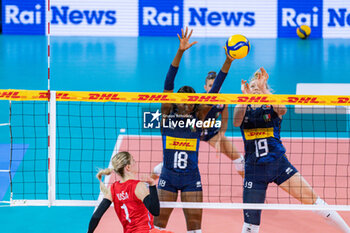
x: 195, y: 231
x: 159, y: 228
x: 250, y: 228
x: 239, y: 163
x: 332, y: 217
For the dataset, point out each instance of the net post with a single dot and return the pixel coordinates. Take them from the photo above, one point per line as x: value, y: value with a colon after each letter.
x: 52, y: 149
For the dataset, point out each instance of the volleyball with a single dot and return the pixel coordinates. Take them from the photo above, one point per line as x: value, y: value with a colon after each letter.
x: 237, y: 46
x: 303, y: 31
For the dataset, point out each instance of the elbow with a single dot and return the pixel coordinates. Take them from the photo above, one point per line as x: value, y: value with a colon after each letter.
x: 156, y: 211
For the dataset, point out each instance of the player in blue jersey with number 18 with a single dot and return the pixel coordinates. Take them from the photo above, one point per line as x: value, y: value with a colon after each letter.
x: 265, y: 159
x: 181, y: 144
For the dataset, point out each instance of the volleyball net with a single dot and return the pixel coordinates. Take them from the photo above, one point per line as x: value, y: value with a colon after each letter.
x: 53, y: 159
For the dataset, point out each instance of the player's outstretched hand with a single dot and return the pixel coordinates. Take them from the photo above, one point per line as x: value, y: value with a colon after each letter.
x: 245, y: 87
x: 184, y: 40
x: 263, y: 76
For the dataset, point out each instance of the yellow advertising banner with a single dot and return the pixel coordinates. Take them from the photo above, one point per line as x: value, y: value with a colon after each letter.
x: 189, y: 98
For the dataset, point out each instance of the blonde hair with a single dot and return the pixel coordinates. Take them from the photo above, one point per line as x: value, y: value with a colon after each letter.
x: 255, y: 77
x: 119, y: 162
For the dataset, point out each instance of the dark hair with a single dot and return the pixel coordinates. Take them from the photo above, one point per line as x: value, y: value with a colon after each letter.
x: 186, y: 89
x: 211, y: 75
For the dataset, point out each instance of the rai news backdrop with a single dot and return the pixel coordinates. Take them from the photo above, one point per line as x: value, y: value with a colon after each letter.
x: 210, y: 18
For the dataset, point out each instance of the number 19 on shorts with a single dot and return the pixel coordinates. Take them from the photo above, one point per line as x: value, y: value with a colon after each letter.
x: 180, y: 159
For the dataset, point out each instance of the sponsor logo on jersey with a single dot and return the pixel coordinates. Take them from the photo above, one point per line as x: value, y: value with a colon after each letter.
x: 188, y: 144
x: 289, y: 170
x: 251, y: 134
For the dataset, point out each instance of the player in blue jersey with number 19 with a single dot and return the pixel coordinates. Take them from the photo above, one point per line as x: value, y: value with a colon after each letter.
x: 265, y: 159
x: 181, y: 144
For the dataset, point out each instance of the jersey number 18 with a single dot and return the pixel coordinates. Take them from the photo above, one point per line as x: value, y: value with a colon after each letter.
x: 180, y: 159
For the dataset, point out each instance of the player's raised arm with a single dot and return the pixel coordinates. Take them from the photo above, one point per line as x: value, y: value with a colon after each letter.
x: 219, y: 80
x: 183, y: 46
x: 105, y: 203
x: 170, y: 77
x: 262, y: 84
x: 240, y: 109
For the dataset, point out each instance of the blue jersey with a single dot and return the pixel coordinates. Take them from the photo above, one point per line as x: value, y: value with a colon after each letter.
x: 261, y: 134
x: 180, y: 143
x: 214, y: 113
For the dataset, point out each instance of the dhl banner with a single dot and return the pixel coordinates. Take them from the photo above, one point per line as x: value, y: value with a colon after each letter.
x: 189, y: 98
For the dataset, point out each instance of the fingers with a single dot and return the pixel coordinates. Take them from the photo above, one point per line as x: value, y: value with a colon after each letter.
x: 193, y: 43
x: 179, y: 36
x: 228, y: 56
x: 186, y: 32
x: 264, y: 73
x: 189, y: 36
x: 182, y: 33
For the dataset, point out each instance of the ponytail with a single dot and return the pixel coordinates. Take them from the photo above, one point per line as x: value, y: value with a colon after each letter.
x: 119, y: 161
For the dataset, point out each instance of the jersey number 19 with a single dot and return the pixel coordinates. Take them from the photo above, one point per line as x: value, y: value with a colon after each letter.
x: 261, y: 147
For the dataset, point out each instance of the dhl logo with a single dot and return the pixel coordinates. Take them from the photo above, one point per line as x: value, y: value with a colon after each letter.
x: 253, y: 99
x: 145, y: 97
x: 10, y: 95
x: 251, y: 134
x: 104, y: 96
x: 189, y: 144
x: 59, y: 96
x: 203, y: 98
x: 303, y: 100
x: 342, y: 100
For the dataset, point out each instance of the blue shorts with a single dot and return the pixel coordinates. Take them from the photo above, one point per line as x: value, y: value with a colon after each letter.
x: 257, y: 178
x: 185, y: 182
x: 261, y: 175
x: 209, y: 134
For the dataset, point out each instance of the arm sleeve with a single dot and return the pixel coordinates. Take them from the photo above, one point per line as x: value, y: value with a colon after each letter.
x: 96, y: 217
x: 219, y: 80
x: 151, y: 201
x: 170, y: 77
